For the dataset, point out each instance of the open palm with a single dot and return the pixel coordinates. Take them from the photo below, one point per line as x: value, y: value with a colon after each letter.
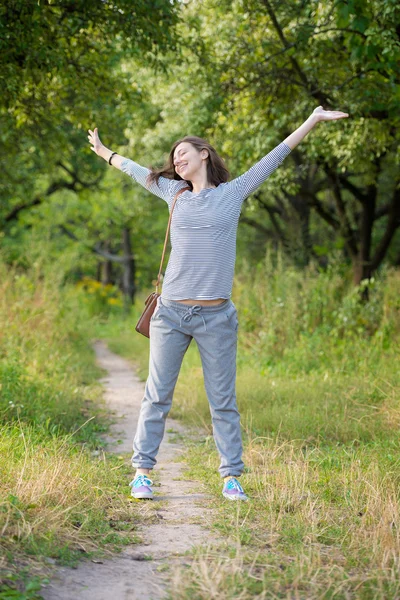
x: 95, y: 141
x: 328, y: 115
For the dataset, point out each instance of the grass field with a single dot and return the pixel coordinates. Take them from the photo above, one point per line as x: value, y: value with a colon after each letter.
x: 318, y: 389
x: 61, y: 496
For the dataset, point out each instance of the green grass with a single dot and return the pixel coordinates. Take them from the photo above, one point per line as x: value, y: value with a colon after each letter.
x: 61, y: 502
x: 322, y: 523
x: 318, y: 388
x: 61, y: 496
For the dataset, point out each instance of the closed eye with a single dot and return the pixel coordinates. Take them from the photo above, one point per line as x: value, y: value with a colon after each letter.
x: 183, y: 154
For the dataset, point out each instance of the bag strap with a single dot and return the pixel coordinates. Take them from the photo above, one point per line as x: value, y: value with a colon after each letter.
x: 178, y: 193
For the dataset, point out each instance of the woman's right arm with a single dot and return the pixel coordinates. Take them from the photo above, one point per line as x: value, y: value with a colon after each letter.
x: 165, y: 188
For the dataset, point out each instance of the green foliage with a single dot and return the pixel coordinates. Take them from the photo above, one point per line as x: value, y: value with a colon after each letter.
x: 60, y: 71
x: 21, y: 587
x: 57, y: 45
x: 315, y: 361
x: 315, y: 315
x: 60, y: 495
x: 100, y: 299
x: 46, y: 368
x: 58, y: 500
x: 237, y: 85
x: 223, y: 72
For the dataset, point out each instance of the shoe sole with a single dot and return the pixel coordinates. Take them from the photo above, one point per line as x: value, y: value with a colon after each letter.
x: 143, y: 496
x: 231, y: 497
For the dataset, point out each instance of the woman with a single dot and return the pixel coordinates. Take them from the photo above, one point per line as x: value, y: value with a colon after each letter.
x: 195, y: 300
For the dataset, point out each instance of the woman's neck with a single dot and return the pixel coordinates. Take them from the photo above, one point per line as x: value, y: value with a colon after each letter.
x: 201, y: 183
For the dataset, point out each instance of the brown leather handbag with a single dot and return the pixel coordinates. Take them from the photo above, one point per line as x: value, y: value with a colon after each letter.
x: 143, y: 325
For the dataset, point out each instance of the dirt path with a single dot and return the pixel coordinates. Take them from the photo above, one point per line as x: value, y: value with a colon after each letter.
x: 140, y: 571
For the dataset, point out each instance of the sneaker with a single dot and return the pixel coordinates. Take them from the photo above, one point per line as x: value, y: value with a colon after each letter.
x: 141, y: 487
x: 233, y: 490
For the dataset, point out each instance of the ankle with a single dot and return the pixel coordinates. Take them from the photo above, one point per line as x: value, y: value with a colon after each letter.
x: 142, y: 472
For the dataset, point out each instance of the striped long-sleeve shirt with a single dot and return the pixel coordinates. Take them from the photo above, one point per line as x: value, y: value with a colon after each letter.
x: 203, y: 228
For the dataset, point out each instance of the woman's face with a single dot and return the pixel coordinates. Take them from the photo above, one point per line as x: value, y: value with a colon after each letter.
x: 188, y: 160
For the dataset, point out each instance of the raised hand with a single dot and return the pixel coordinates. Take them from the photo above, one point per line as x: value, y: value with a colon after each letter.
x: 318, y: 114
x: 101, y: 150
x: 328, y: 115
x: 94, y: 139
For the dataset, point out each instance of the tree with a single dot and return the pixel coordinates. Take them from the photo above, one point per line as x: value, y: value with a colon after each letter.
x: 59, y: 71
x: 246, y: 73
x: 275, y: 61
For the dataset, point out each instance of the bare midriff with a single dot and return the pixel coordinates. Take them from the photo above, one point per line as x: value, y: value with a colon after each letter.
x: 191, y: 301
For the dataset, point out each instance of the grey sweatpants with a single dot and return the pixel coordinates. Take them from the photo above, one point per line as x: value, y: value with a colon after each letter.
x: 172, y: 327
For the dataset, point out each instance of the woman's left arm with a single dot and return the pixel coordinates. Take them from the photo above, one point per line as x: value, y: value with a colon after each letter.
x: 248, y: 182
x: 319, y: 114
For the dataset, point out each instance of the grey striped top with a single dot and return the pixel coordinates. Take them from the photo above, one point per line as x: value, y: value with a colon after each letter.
x: 203, y: 228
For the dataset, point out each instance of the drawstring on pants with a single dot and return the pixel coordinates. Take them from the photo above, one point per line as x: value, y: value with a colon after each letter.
x: 192, y: 310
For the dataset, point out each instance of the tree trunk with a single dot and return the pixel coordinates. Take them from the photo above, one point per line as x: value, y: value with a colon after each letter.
x: 128, y: 276
x: 362, y: 263
x: 303, y: 245
x: 106, y: 268
x: 98, y: 270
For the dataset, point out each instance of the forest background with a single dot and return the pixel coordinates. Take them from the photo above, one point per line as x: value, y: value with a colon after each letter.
x: 317, y: 281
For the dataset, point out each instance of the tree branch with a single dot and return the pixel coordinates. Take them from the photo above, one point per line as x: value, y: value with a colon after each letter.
x: 256, y: 225
x: 357, y: 193
x: 54, y: 187
x: 96, y: 248
x: 76, y: 179
x: 271, y: 209
x: 349, y: 234
x: 313, y: 90
x: 274, y: 221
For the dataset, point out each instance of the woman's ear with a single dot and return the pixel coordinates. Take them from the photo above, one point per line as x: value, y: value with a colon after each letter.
x: 204, y: 154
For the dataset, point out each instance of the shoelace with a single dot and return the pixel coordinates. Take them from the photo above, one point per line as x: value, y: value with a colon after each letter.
x: 234, y: 484
x: 141, y: 480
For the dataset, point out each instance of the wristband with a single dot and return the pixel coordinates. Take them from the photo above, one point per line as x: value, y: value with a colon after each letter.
x: 109, y: 160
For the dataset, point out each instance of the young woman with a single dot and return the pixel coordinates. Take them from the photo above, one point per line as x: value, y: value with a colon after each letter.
x: 195, y: 300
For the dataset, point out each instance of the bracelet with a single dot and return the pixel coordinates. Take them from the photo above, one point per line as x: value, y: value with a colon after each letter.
x: 109, y: 160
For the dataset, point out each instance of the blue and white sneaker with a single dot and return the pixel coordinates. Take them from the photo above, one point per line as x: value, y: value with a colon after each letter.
x: 141, y: 487
x: 233, y: 490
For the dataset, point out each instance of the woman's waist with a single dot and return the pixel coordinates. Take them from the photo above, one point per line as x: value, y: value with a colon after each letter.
x: 207, y: 305
x: 193, y: 301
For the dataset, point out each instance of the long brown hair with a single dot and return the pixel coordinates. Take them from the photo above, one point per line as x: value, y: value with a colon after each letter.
x: 216, y: 169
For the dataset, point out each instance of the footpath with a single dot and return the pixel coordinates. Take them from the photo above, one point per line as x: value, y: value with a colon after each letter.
x: 142, y: 571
